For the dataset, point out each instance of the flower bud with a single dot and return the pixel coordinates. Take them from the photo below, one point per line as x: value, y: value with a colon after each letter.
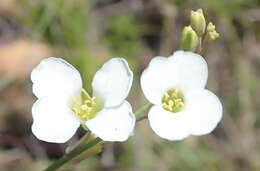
x: 211, y: 29
x: 198, y: 22
x: 189, y: 39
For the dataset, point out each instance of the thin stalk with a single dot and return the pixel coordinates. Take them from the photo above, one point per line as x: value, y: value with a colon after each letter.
x: 78, y: 143
x: 141, y: 118
x: 86, y: 93
x: 78, y: 150
x: 142, y: 109
x: 67, y: 157
x: 200, y: 43
x: 205, y: 45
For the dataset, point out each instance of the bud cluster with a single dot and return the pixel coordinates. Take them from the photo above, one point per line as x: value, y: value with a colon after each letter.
x: 198, y: 34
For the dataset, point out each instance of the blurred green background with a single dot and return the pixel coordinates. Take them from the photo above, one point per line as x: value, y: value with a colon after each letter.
x: 87, y: 33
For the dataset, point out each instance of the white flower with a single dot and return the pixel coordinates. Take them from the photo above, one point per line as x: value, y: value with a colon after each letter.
x: 182, y: 105
x: 63, y: 105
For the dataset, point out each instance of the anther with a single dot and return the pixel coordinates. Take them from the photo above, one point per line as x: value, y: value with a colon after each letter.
x: 173, y: 101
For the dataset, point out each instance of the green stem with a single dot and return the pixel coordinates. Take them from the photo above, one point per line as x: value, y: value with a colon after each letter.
x: 205, y: 44
x: 200, y: 43
x: 78, y: 150
x: 142, y: 109
x: 81, y: 142
x: 67, y: 157
x: 141, y: 118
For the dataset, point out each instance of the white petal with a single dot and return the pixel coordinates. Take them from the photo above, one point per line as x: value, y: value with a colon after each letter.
x: 160, y: 76
x: 54, y: 76
x: 113, y: 124
x: 193, y: 69
x: 113, y: 82
x: 53, y: 121
x: 205, y: 111
x: 170, y: 126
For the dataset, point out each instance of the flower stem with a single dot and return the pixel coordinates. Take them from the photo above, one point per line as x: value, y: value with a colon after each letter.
x: 80, y: 149
x: 143, y: 109
x: 78, y: 143
x: 141, y: 118
x: 67, y: 157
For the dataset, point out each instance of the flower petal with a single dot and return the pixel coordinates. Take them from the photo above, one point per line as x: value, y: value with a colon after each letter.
x: 160, y: 76
x: 193, y: 69
x: 113, y: 82
x: 54, y: 76
x: 205, y: 111
x: 53, y: 121
x: 113, y: 124
x: 170, y: 126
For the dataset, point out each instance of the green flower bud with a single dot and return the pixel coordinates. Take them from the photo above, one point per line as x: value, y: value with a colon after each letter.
x: 189, y: 39
x: 198, y: 22
x: 213, y: 35
x: 211, y: 29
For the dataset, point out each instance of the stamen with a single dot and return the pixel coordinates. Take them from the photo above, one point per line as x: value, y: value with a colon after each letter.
x: 85, y: 109
x: 173, y: 101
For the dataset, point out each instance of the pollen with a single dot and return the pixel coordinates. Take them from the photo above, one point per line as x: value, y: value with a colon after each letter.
x: 86, y: 108
x: 173, y: 101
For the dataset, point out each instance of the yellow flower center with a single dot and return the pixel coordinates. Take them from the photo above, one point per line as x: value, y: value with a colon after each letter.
x: 86, y: 108
x: 173, y: 101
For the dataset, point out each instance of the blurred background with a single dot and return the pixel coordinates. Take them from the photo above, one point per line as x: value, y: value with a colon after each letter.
x: 87, y: 33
